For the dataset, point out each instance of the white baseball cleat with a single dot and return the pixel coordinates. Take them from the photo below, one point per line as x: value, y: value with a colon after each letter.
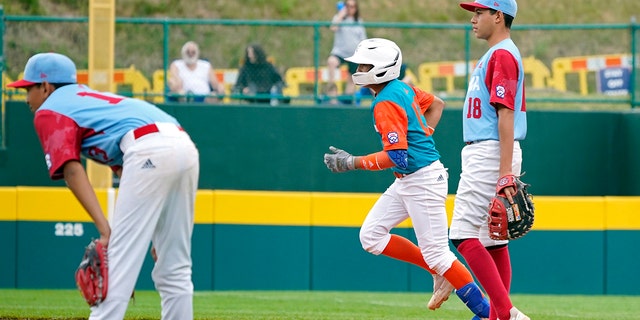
x: 517, y: 315
x: 441, y: 291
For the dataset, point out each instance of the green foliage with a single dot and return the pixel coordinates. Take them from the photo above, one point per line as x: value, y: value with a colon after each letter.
x: 143, y: 8
x: 285, y: 7
x: 31, y: 7
x: 73, y: 5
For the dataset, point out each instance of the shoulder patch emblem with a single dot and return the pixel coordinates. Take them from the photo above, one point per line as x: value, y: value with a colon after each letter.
x: 500, y: 91
x: 393, y: 137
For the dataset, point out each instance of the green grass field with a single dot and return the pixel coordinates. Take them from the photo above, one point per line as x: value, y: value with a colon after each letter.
x: 67, y: 304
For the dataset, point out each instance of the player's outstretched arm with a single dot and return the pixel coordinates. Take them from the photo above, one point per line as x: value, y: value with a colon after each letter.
x: 342, y: 161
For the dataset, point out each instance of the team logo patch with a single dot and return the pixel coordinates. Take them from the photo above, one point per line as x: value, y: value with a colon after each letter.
x: 500, y: 91
x: 392, y: 137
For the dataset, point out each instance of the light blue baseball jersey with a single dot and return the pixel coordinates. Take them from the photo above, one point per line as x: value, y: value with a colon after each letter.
x: 398, y: 116
x: 498, y: 78
x: 77, y: 120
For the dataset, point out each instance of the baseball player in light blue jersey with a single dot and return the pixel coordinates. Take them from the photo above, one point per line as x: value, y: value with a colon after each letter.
x: 494, y: 120
x: 405, y: 118
x: 158, y: 166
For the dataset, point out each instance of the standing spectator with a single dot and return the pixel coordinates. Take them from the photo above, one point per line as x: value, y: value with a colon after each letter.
x: 192, y: 76
x: 494, y: 121
x: 158, y: 168
x: 258, y: 77
x: 345, y: 41
x: 330, y: 94
x: 405, y: 118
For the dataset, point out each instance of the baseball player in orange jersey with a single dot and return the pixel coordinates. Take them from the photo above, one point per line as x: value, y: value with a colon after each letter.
x: 405, y: 118
x: 494, y: 120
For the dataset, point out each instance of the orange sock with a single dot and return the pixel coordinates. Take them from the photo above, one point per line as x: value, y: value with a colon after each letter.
x: 458, y: 275
x: 404, y: 250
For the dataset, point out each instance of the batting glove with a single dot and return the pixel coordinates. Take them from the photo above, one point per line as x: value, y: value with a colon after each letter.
x: 339, y: 160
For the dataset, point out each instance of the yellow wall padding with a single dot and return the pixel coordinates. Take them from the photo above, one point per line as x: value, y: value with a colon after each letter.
x: 622, y: 213
x: 317, y: 208
x: 8, y: 204
x: 262, y: 207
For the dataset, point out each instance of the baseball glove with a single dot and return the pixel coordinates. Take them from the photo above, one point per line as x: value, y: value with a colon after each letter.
x: 508, y: 221
x: 91, y: 275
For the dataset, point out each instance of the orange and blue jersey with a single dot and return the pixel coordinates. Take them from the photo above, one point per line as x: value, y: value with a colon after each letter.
x: 398, y: 116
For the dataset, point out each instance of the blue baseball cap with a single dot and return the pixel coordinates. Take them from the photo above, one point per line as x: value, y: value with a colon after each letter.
x: 50, y: 67
x: 509, y: 7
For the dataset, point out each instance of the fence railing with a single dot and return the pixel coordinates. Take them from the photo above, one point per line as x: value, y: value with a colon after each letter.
x: 593, y: 75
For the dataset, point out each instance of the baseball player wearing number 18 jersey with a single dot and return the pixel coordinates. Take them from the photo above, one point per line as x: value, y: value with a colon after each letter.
x: 158, y: 166
x: 405, y: 118
x: 494, y: 120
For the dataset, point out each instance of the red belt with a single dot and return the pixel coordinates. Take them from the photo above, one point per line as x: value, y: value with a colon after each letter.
x: 150, y: 128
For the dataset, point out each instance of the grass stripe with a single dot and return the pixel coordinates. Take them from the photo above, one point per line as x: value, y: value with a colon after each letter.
x: 316, y: 305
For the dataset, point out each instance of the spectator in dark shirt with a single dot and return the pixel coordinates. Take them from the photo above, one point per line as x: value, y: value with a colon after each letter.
x: 258, y: 77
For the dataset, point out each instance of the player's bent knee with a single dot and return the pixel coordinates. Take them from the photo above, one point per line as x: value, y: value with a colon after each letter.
x: 440, y: 262
x: 367, y: 243
x: 370, y: 244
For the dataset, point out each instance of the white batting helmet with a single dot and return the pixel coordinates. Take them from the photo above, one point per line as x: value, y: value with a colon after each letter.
x: 383, y: 54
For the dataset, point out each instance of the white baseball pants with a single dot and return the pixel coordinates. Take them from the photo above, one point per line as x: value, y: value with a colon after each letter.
x: 420, y: 196
x: 155, y: 204
x: 480, y: 170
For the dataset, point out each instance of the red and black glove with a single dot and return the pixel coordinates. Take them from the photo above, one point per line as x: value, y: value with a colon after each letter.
x: 509, y: 221
x: 92, y: 274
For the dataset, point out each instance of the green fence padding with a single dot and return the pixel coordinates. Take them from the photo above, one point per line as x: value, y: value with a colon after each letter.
x: 628, y: 156
x: 8, y: 254
x: 261, y: 258
x: 249, y: 257
x: 202, y: 244
x: 281, y: 148
x: 24, y: 164
x: 622, y: 260
x: 574, y: 153
x: 46, y: 260
x: 340, y: 263
x: 562, y: 262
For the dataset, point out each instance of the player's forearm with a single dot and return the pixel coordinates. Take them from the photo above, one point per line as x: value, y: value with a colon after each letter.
x: 505, y: 131
x: 434, y: 113
x: 76, y: 178
x: 374, y: 161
